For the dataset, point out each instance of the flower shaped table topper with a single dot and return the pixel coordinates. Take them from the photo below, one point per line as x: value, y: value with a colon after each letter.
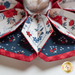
x: 37, y: 30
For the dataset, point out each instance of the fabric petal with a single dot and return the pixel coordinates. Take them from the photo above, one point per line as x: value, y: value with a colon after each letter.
x: 10, y: 20
x: 37, y: 29
x: 57, y: 17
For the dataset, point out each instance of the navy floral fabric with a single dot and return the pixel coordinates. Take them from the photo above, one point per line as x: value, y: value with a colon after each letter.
x: 16, y: 42
x: 57, y: 44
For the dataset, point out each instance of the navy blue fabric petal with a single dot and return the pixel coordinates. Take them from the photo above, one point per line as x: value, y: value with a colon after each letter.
x: 58, y: 44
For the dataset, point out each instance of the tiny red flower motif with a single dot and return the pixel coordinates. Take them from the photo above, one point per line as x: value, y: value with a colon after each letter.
x: 2, y: 7
x: 10, y: 13
x: 65, y: 19
x: 63, y: 42
x: 47, y: 22
x: 10, y: 40
x: 28, y: 33
x: 58, y: 19
x: 54, y: 48
x: 51, y: 50
x: 71, y: 23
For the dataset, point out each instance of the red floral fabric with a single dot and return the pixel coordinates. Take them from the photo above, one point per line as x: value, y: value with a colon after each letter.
x: 2, y: 7
x: 10, y: 13
x: 58, y: 19
x: 71, y: 22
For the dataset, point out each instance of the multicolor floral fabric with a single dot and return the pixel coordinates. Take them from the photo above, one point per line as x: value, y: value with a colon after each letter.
x: 22, y: 36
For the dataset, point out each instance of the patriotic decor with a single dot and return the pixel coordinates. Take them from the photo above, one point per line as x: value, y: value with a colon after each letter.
x: 50, y: 36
